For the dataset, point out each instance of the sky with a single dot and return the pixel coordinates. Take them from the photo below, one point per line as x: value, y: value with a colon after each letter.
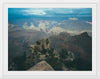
x: 72, y: 19
x: 50, y: 13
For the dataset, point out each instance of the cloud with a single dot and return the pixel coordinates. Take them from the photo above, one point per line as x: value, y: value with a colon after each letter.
x: 71, y: 11
x: 35, y: 12
x: 11, y: 25
x: 78, y: 32
x: 89, y: 22
x: 33, y: 27
x: 73, y: 18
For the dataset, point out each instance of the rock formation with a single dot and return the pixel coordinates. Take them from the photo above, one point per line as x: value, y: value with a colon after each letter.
x: 41, y: 66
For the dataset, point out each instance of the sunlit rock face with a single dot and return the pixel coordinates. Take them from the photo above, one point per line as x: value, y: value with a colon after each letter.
x: 41, y: 66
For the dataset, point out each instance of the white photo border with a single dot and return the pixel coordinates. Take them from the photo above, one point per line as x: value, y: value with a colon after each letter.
x: 46, y: 5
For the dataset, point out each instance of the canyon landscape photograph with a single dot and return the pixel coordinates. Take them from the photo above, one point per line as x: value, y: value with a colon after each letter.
x: 49, y: 39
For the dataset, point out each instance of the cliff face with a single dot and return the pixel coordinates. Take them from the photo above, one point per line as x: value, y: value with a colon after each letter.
x: 79, y: 45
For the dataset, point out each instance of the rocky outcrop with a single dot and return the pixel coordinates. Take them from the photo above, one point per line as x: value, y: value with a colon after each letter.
x: 41, y: 66
x: 40, y: 52
x: 40, y: 45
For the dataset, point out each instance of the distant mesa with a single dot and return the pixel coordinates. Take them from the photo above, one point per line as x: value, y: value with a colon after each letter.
x: 84, y: 34
x: 41, y: 66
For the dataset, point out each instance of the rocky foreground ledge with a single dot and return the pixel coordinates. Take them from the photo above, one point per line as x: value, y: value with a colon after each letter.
x: 41, y: 66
